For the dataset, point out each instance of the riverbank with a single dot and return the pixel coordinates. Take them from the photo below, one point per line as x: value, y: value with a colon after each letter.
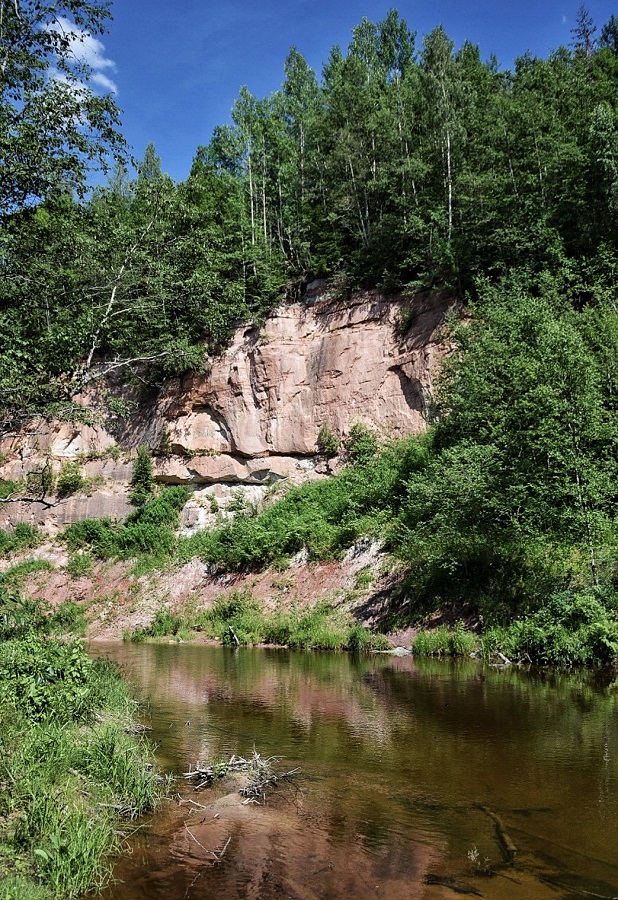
x: 73, y: 764
x: 358, y: 602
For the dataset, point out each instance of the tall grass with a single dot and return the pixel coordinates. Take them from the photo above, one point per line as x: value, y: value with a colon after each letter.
x: 67, y: 767
x: 443, y: 641
x: 150, y: 530
x: 22, y: 537
x: 239, y: 618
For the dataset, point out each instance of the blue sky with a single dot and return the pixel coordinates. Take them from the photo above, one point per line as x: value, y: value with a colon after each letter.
x: 177, y: 68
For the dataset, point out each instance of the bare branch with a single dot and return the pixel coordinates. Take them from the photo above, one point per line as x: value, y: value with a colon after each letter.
x: 112, y: 299
x: 40, y: 500
x: 91, y: 376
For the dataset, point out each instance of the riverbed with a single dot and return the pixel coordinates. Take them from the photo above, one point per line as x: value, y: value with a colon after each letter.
x: 419, y: 779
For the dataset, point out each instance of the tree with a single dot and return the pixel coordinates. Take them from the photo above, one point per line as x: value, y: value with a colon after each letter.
x: 528, y: 391
x: 442, y: 94
x: 609, y: 35
x: 583, y: 34
x: 53, y: 126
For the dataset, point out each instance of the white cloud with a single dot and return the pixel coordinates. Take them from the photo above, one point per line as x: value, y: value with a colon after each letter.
x: 88, y: 50
x: 106, y: 83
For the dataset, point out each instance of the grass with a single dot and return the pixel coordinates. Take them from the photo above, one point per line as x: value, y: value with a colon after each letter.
x: 16, y: 574
x: 67, y: 767
x: 22, y: 537
x: 149, y: 531
x: 443, y: 641
x: 80, y: 564
x: 238, y: 617
x: 323, y: 518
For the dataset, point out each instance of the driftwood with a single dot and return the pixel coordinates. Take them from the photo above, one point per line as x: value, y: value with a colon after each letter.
x: 234, y: 635
x: 258, y: 769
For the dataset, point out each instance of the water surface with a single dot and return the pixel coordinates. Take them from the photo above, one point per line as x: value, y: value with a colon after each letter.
x: 419, y: 779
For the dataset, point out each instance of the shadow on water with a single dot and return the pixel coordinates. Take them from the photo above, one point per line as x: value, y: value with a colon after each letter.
x: 419, y: 779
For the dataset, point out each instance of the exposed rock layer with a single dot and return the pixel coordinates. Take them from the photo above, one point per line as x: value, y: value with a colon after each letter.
x: 255, y: 417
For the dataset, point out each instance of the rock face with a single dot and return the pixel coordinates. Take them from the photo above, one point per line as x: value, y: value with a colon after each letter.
x: 255, y: 417
x: 310, y: 366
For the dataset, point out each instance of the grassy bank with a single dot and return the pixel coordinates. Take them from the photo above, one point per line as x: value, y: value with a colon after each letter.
x: 238, y: 618
x: 68, y: 767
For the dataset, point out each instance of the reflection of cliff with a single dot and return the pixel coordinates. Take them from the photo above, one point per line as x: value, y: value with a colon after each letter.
x: 254, y: 418
x: 398, y: 755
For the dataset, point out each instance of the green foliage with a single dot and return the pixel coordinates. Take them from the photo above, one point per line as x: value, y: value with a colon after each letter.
x: 49, y: 681
x: 164, y: 624
x: 324, y: 517
x: 397, y: 169
x: 361, y: 443
x: 53, y: 128
x: 98, y: 534
x: 66, y: 764
x: 443, y: 641
x: 568, y: 629
x: 328, y: 443
x: 22, y: 537
x: 17, y: 572
x: 70, y: 479
x: 239, y: 618
x: 80, y: 564
x: 7, y: 488
x: 149, y: 530
x: 142, y: 480
x: 67, y: 618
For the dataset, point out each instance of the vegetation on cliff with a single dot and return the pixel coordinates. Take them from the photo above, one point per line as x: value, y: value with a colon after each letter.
x: 404, y: 166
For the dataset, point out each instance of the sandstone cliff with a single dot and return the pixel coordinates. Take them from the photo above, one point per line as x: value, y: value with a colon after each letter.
x: 254, y: 418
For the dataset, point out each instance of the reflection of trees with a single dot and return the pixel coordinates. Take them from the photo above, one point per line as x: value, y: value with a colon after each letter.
x: 396, y: 749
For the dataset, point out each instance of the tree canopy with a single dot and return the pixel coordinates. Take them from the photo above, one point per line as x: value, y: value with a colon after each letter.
x: 53, y: 125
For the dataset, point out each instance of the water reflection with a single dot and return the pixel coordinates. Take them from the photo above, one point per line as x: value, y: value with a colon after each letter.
x: 413, y: 775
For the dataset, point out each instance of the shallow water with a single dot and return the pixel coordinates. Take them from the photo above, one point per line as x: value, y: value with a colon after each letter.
x: 418, y: 778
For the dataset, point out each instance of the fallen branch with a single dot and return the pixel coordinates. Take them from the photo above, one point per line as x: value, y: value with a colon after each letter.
x: 507, y: 846
x: 259, y: 770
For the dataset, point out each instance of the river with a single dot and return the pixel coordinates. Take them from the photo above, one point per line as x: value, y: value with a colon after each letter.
x: 420, y: 779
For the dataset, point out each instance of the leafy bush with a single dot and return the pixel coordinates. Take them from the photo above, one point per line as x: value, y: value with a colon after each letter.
x: 45, y: 679
x: 361, y: 443
x: 164, y: 623
x: 68, y: 618
x: 328, y: 442
x: 7, y: 488
x: 19, y: 616
x: 142, y: 480
x: 569, y: 629
x: 70, y: 479
x: 98, y: 534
